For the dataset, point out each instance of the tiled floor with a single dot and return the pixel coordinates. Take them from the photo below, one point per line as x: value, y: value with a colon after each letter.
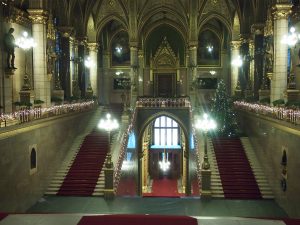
x: 165, y: 206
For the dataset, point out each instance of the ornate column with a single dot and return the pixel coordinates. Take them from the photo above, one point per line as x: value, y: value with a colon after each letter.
x: 72, y: 63
x: 258, y: 33
x: 41, y: 81
x: 81, y: 68
x: 141, y: 73
x: 106, y: 78
x: 235, y: 53
x: 93, y: 54
x: 251, y: 69
x: 76, y: 60
x: 279, y: 78
x: 134, y: 63
x: 65, y: 60
x: 193, y: 72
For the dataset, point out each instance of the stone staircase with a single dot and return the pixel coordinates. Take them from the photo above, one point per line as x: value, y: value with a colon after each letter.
x: 59, y: 177
x: 216, y: 184
x: 259, y: 174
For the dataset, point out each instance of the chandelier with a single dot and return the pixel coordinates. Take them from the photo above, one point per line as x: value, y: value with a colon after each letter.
x: 164, y: 164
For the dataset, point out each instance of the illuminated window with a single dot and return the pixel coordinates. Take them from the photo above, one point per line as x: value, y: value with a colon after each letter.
x: 166, y: 132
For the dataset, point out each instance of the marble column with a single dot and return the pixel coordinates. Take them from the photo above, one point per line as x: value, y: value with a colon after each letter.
x: 279, y: 78
x: 193, y: 73
x: 141, y: 73
x: 134, y: 63
x: 93, y: 54
x: 235, y: 53
x: 72, y: 63
x: 251, y: 69
x: 41, y: 81
x: 107, y: 80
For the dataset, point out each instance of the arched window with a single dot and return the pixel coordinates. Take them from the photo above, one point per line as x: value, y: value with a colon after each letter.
x: 166, y: 132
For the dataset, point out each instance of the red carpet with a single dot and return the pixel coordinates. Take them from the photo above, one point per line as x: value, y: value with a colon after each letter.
x: 85, y: 170
x: 3, y: 215
x: 137, y: 220
x: 236, y: 174
x: 164, y: 188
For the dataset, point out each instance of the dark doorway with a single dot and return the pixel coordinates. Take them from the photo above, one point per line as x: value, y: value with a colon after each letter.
x: 165, y: 85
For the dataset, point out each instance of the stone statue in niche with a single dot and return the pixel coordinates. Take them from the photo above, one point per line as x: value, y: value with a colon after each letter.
x: 269, y: 56
x: 9, y: 48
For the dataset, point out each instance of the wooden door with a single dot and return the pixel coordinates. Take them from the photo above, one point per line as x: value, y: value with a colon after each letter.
x: 165, y: 85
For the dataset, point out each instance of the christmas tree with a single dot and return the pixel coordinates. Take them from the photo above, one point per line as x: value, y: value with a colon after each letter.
x: 222, y: 112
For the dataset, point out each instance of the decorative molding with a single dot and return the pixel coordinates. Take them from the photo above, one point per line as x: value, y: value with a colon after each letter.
x: 51, y: 31
x: 282, y: 11
x: 38, y: 16
x: 269, y: 24
x: 66, y: 31
x: 235, y: 45
x: 14, y: 15
x: 257, y: 28
x: 164, y: 56
x: 92, y: 46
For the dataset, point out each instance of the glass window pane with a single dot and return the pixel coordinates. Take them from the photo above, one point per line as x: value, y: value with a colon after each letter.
x: 169, y: 137
x: 175, y: 137
x: 163, y: 137
x: 163, y: 121
x: 156, y: 137
x: 175, y: 124
x: 156, y: 123
x: 169, y: 122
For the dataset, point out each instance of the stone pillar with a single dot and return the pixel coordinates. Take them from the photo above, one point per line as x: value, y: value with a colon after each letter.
x: 41, y: 81
x: 134, y: 74
x: 193, y: 73
x: 258, y: 32
x: 235, y: 52
x: 279, y: 78
x: 81, y: 68
x: 206, y: 183
x: 141, y: 73
x: 72, y: 63
x: 107, y: 80
x: 65, y: 60
x: 251, y: 69
x: 93, y: 54
x: 75, y: 84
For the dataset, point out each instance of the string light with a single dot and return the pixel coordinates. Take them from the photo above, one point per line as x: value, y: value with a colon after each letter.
x: 55, y: 110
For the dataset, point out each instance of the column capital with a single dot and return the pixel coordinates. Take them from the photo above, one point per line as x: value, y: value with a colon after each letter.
x: 251, y: 43
x: 38, y: 16
x: 235, y: 45
x: 282, y: 11
x: 66, y: 31
x: 82, y: 40
x: 257, y: 28
x: 92, y: 46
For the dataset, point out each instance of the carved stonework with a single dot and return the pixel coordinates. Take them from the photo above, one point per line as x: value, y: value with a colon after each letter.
x: 164, y: 56
x: 257, y: 28
x: 38, y: 16
x: 66, y: 31
x: 235, y: 45
x: 14, y: 15
x: 269, y: 24
x: 219, y: 6
x: 282, y: 11
x: 92, y: 46
x: 50, y: 28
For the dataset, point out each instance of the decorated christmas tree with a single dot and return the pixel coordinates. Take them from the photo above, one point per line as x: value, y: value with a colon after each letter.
x: 223, y: 113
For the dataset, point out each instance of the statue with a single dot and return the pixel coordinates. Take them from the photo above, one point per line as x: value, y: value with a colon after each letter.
x: 269, y: 57
x: 9, y: 47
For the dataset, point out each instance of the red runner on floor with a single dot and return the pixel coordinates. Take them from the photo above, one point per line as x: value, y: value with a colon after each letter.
x: 164, y: 188
x: 137, y: 220
x: 3, y: 215
x: 236, y: 174
x: 85, y: 170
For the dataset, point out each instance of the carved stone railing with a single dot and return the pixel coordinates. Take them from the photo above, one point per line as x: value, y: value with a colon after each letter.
x: 123, y: 148
x: 27, y: 114
x: 163, y: 102
x: 280, y: 113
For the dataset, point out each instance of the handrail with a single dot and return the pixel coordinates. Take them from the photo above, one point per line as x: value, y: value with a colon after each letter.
x: 26, y: 114
x: 280, y: 113
x: 124, y: 142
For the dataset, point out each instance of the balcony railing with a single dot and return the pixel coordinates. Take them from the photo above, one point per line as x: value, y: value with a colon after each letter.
x: 163, y: 102
x: 26, y: 114
x: 280, y: 113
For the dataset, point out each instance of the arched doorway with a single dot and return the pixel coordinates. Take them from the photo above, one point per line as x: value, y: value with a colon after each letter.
x: 163, y: 164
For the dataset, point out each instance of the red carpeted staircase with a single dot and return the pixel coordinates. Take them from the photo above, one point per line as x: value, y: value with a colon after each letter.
x: 164, y: 188
x: 237, y: 178
x: 84, y: 172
